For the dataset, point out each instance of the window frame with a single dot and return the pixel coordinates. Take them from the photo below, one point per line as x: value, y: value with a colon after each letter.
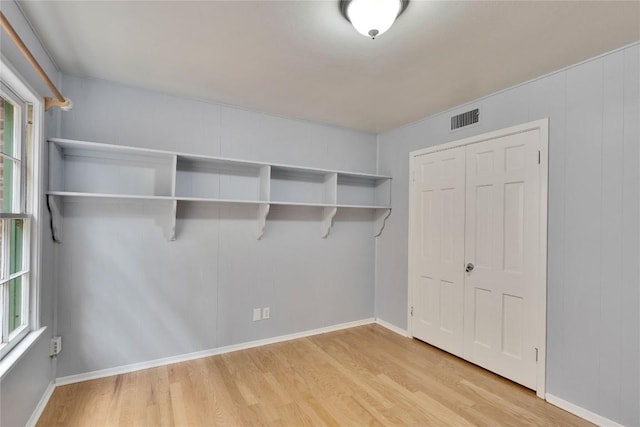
x: 15, y: 88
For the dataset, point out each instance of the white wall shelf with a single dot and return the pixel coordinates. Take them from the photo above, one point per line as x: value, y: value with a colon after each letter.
x: 80, y: 169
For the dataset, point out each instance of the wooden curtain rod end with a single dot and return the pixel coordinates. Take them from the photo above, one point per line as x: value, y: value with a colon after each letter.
x: 59, y: 100
x: 67, y: 105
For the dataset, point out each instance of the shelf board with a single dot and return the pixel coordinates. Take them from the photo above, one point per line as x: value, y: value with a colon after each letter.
x: 362, y: 206
x: 214, y: 200
x: 95, y: 146
x: 76, y: 147
x: 198, y: 161
x: 284, y: 203
x: 210, y: 200
x: 108, y: 195
x: 327, y: 205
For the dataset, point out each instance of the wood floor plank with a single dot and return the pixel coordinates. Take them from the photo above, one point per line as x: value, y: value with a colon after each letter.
x: 360, y: 376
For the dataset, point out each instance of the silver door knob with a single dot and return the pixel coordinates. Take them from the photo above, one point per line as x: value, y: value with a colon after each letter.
x: 469, y: 268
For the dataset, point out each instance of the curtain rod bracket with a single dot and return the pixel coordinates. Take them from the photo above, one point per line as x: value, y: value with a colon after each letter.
x: 49, y: 103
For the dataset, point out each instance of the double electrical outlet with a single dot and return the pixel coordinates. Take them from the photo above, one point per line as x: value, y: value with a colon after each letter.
x: 55, y: 347
x: 261, y: 313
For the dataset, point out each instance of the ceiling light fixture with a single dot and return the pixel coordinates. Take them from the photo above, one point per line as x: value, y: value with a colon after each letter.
x: 372, y: 17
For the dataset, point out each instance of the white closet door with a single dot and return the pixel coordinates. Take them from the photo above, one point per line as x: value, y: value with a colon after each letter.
x: 501, y: 241
x: 438, y: 249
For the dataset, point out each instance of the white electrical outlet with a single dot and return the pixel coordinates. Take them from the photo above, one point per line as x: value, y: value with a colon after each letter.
x: 266, y: 313
x: 55, y: 346
x: 256, y: 314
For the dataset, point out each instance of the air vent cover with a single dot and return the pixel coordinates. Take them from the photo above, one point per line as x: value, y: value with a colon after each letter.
x: 465, y: 119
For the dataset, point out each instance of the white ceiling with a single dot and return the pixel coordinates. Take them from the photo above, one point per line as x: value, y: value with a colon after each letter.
x: 302, y: 59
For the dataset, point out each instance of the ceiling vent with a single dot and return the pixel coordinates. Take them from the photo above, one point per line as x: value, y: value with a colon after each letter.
x: 465, y: 119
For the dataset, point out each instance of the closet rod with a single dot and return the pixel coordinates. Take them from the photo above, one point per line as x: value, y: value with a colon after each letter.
x: 59, y: 100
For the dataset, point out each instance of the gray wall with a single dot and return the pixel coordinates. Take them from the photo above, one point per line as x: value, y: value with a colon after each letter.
x: 593, y: 331
x: 127, y: 295
x: 22, y: 388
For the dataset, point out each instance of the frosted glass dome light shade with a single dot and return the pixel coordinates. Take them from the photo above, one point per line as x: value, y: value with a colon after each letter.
x: 372, y: 18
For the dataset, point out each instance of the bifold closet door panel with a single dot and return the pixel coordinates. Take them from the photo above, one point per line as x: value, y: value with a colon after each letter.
x: 438, y: 240
x: 501, y: 243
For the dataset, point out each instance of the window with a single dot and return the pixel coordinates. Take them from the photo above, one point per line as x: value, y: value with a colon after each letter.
x: 16, y: 217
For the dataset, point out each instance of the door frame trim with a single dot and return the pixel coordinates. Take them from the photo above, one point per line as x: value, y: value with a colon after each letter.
x: 540, y: 300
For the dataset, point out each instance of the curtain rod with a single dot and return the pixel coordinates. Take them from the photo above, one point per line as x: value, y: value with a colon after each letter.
x: 59, y: 100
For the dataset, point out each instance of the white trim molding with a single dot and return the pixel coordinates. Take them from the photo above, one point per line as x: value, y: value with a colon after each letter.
x: 392, y: 328
x: 35, y: 416
x: 33, y: 162
x: 581, y: 412
x: 19, y: 351
x: 118, y: 370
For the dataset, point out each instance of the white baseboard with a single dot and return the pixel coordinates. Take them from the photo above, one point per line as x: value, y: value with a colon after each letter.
x: 205, y: 353
x: 392, y: 328
x: 581, y: 412
x: 41, y: 405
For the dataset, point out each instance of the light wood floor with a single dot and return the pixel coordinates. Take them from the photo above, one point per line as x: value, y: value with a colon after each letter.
x: 360, y: 376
